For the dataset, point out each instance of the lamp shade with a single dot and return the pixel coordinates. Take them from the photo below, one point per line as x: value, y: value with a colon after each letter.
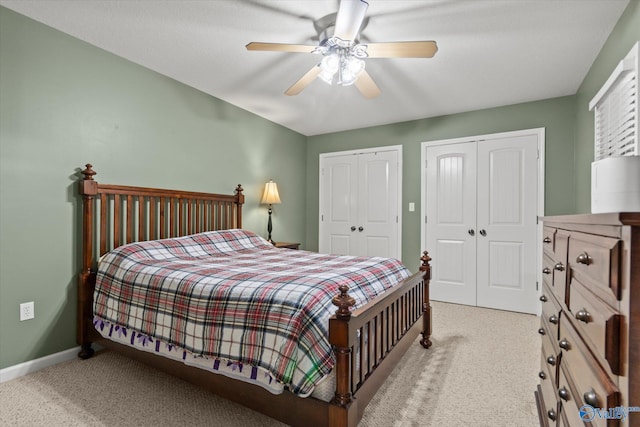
x: 270, y: 195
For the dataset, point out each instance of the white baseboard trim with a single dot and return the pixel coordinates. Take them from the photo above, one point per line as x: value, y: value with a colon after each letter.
x: 34, y: 365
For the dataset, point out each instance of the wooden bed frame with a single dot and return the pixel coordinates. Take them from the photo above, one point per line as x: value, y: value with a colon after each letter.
x: 114, y: 215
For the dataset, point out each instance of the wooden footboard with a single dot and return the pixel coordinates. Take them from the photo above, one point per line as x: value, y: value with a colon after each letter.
x: 368, y: 342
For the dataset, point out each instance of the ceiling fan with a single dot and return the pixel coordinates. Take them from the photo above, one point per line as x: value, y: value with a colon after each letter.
x: 343, y: 54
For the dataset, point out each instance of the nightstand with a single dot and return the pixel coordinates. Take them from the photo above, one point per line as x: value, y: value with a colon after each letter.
x: 287, y: 245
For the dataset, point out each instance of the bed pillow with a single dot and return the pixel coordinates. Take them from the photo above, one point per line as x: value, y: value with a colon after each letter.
x: 207, y: 244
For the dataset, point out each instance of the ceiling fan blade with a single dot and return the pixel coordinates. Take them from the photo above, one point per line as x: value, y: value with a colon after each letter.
x: 281, y: 47
x: 367, y: 87
x: 423, y: 49
x: 304, y: 81
x: 349, y: 19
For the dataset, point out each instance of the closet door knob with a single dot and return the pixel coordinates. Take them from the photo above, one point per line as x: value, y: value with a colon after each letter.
x: 471, y: 232
x: 564, y: 344
x: 559, y: 266
x: 551, y: 360
x: 546, y: 270
x: 483, y: 232
x: 360, y: 228
x: 353, y: 228
x: 553, y: 319
x: 543, y: 298
x: 541, y: 331
x: 564, y: 394
x: 546, y: 239
x: 542, y: 375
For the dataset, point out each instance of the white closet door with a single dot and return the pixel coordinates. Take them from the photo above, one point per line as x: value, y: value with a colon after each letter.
x: 481, y: 204
x: 506, y: 235
x: 378, y: 204
x: 451, y: 218
x: 338, y: 205
x: 360, y: 194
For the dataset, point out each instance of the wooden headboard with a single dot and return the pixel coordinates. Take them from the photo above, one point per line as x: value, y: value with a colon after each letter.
x: 114, y: 215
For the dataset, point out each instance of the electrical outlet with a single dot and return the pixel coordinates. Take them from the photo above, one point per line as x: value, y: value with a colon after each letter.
x: 27, y: 311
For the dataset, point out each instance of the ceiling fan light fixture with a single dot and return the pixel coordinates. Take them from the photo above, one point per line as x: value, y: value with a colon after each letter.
x: 330, y: 63
x: 329, y: 67
x: 350, y: 70
x: 326, y: 77
x: 354, y: 65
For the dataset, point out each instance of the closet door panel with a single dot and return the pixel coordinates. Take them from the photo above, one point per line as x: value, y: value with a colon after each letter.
x: 507, y: 206
x: 451, y: 218
x: 378, y: 194
x: 339, y: 210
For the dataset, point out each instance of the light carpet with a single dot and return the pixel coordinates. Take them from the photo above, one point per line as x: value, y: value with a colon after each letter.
x: 481, y: 370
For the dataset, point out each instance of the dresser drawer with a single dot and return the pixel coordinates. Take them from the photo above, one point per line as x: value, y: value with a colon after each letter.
x: 572, y: 407
x: 547, y: 270
x: 548, y: 400
x: 598, y: 322
x: 591, y: 384
x: 549, y: 240
x: 549, y: 355
x: 550, y: 312
x: 568, y: 404
x: 554, y: 275
x: 595, y: 260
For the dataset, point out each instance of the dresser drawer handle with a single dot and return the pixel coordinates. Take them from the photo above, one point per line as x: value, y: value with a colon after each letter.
x: 591, y: 398
x: 546, y: 239
x: 543, y: 298
x: 583, y: 315
x: 542, y: 375
x: 551, y: 414
x: 553, y: 319
x: 541, y: 331
x: 546, y: 270
x: 551, y: 360
x: 564, y: 394
x: 564, y: 344
x: 559, y: 266
x: 584, y: 259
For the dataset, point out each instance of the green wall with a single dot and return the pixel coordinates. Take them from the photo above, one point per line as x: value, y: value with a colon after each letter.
x: 64, y: 103
x: 620, y: 42
x: 556, y: 115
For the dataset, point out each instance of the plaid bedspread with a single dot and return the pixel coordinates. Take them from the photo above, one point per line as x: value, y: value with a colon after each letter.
x: 231, y: 294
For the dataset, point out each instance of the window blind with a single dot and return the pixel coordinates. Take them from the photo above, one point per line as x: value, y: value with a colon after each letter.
x: 616, y: 111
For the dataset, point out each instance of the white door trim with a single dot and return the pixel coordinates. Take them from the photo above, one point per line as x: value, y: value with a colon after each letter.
x: 396, y: 148
x: 540, y: 133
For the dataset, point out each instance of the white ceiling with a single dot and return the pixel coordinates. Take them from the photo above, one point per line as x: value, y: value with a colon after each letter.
x: 491, y: 52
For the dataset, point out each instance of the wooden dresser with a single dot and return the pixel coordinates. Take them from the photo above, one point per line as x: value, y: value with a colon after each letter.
x: 590, y: 323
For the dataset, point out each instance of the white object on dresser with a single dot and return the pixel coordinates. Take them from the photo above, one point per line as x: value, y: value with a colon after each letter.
x: 615, y: 184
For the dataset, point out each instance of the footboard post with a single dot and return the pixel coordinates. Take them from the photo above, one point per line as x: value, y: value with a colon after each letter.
x: 426, y: 305
x: 88, y: 188
x: 339, y: 338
